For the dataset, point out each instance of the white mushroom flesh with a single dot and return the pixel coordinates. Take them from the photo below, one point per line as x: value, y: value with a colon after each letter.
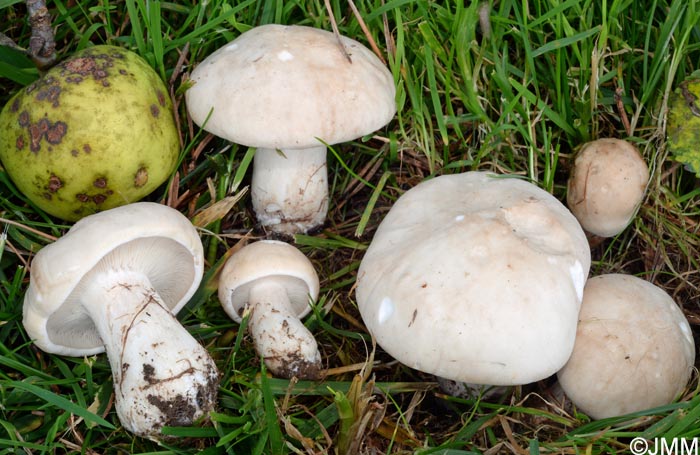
x: 289, y: 189
x: 281, y: 340
x: 162, y: 375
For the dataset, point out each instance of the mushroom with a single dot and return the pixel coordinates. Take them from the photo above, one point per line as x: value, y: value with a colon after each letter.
x: 634, y: 348
x: 475, y: 278
x: 607, y: 185
x: 114, y: 282
x: 95, y: 132
x: 289, y: 91
x: 275, y: 283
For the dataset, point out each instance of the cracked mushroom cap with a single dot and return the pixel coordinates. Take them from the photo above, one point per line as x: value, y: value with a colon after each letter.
x: 287, y: 86
x: 145, y: 236
x: 634, y: 348
x: 476, y: 278
x: 269, y: 260
x: 607, y: 185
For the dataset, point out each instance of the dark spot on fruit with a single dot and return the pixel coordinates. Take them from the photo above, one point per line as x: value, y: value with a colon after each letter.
x: 74, y: 152
x: 82, y: 197
x: 87, y: 148
x: 141, y: 177
x: 51, y: 94
x: 55, y: 133
x: 55, y: 183
x: 47, y: 196
x: 15, y: 105
x: 74, y: 79
x: 161, y: 98
x: 100, y: 182
x: 35, y: 135
x: 105, y: 83
x: 44, y: 129
x: 23, y: 119
x: 20, y: 142
x: 80, y: 65
x: 99, y: 74
x: 155, y: 111
x: 99, y: 198
x: 123, y: 72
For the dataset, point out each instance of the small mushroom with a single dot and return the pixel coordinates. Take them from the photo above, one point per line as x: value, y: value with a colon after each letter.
x: 634, y: 348
x: 275, y: 283
x: 476, y: 278
x: 289, y: 91
x: 607, y: 185
x: 114, y: 282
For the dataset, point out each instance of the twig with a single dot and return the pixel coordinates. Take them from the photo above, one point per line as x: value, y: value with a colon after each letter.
x: 42, y: 46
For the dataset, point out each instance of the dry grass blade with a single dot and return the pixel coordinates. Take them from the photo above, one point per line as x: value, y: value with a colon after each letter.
x: 334, y: 26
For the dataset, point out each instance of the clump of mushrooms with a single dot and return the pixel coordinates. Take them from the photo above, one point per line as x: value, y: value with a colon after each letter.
x: 476, y: 278
x: 607, y: 185
x: 289, y: 91
x: 275, y: 283
x: 634, y: 348
x: 114, y: 282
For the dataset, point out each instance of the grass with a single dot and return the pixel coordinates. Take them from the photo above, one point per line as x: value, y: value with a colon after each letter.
x: 509, y: 86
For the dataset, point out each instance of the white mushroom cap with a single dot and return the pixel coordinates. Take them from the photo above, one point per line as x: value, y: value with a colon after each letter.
x: 634, y: 348
x: 279, y: 87
x: 163, y: 243
x: 476, y: 278
x: 267, y: 260
x: 607, y: 185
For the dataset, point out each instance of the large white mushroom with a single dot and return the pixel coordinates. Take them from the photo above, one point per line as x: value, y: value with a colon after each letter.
x: 607, y: 185
x: 289, y: 90
x: 634, y: 348
x: 476, y: 278
x: 276, y: 284
x: 114, y: 282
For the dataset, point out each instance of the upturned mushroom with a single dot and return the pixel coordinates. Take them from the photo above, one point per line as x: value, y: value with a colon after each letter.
x: 634, y: 348
x: 289, y: 91
x: 475, y: 278
x: 95, y: 132
x: 276, y: 284
x: 114, y: 283
x: 607, y: 185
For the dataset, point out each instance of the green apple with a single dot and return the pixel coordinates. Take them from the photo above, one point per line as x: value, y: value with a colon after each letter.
x: 95, y: 132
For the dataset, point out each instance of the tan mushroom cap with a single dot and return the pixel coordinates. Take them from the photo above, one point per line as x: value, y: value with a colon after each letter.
x: 269, y: 260
x: 634, y: 348
x: 149, y: 237
x: 607, y: 185
x: 279, y: 86
x: 476, y: 278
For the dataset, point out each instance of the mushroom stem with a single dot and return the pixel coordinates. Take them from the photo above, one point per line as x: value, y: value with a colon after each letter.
x: 162, y: 375
x: 280, y: 338
x: 290, y: 188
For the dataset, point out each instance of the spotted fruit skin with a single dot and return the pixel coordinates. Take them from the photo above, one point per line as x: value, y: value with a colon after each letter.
x: 97, y: 131
x: 683, y: 128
